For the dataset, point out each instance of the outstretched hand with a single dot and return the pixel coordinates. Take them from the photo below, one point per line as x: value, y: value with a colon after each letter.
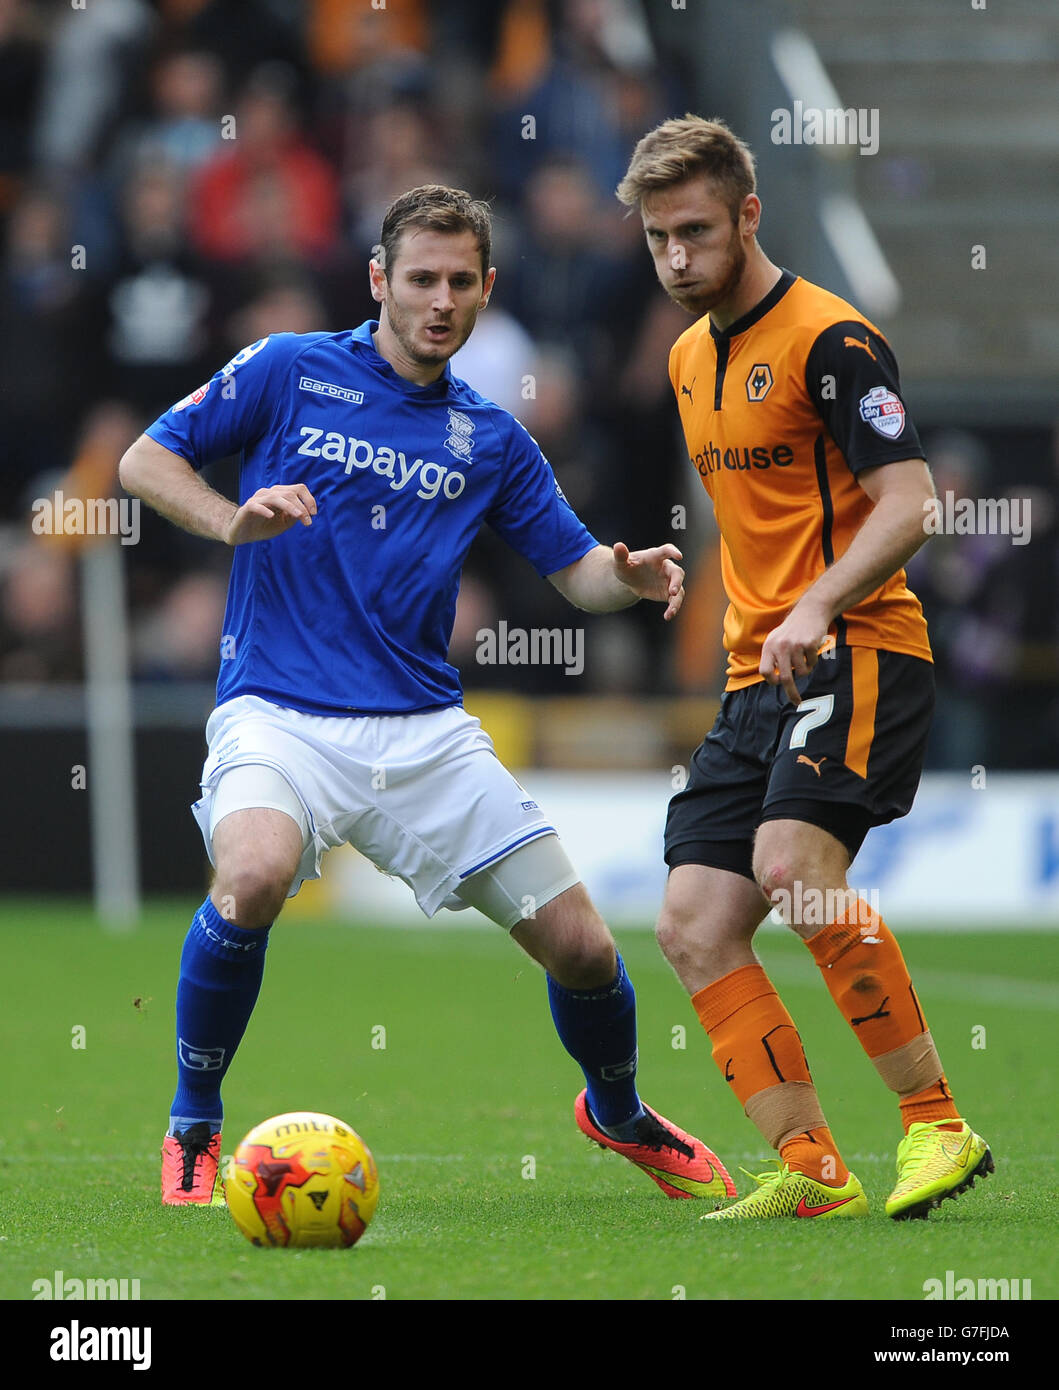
x: 653, y: 574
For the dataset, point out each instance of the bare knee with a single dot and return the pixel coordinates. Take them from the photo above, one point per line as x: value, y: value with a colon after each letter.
x: 251, y: 894
x: 583, y: 954
x: 707, y: 923
x: 571, y: 940
x: 676, y: 930
x: 586, y: 962
x: 697, y: 947
x: 796, y: 865
x: 776, y: 874
x: 251, y: 898
x: 257, y: 851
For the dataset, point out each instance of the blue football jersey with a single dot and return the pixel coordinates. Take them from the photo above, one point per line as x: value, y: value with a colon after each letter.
x: 354, y: 613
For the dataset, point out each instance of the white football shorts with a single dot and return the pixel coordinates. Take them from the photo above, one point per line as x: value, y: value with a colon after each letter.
x: 423, y: 796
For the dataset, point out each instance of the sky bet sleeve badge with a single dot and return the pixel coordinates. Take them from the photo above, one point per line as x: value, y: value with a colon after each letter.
x: 884, y: 411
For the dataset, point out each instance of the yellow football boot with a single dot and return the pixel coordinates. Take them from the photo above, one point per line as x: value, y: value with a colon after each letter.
x: 935, y: 1163
x: 784, y: 1193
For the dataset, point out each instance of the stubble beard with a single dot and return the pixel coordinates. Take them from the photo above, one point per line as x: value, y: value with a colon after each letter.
x: 401, y: 327
x: 707, y: 299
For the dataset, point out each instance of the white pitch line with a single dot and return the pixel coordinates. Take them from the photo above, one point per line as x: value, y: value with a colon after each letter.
x: 125, y: 1158
x: 385, y: 1159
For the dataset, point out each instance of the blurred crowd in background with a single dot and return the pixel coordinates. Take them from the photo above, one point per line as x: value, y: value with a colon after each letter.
x: 140, y: 248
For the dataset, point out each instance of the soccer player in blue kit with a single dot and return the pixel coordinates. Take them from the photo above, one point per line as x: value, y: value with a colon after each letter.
x: 367, y: 470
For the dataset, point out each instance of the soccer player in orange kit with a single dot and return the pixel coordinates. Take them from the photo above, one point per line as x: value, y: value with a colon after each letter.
x: 791, y: 408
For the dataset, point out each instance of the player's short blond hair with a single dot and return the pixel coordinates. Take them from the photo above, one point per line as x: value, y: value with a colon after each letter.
x: 688, y: 147
x: 440, y: 209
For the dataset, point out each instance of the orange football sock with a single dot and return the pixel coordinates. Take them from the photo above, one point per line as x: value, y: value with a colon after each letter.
x: 815, y: 1153
x: 866, y: 975
x: 933, y: 1103
x: 760, y: 1055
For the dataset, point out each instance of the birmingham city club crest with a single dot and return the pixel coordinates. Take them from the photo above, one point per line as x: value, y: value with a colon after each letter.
x: 460, y: 436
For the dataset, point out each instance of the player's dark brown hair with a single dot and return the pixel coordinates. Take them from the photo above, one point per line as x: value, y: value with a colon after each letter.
x: 440, y: 209
x: 683, y: 148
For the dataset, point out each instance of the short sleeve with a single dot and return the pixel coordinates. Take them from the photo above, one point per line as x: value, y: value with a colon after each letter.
x: 530, y: 511
x: 852, y: 379
x: 230, y: 410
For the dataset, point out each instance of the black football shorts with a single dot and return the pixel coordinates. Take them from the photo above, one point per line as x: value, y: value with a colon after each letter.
x: 847, y: 758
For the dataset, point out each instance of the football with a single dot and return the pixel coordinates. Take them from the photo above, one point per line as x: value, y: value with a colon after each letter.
x: 302, y: 1180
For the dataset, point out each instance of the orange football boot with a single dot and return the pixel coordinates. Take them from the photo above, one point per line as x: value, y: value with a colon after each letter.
x: 680, y: 1164
x: 190, y: 1160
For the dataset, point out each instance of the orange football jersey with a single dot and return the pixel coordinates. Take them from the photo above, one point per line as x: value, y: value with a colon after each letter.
x: 780, y: 412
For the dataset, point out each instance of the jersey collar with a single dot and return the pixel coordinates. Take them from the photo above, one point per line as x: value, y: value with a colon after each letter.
x: 760, y: 309
x: 363, y: 346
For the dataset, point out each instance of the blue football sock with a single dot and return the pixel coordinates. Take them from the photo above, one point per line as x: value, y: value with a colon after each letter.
x: 221, y: 968
x: 598, y: 1029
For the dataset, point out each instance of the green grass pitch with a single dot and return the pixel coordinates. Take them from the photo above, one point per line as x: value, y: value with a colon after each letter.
x: 488, y: 1189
